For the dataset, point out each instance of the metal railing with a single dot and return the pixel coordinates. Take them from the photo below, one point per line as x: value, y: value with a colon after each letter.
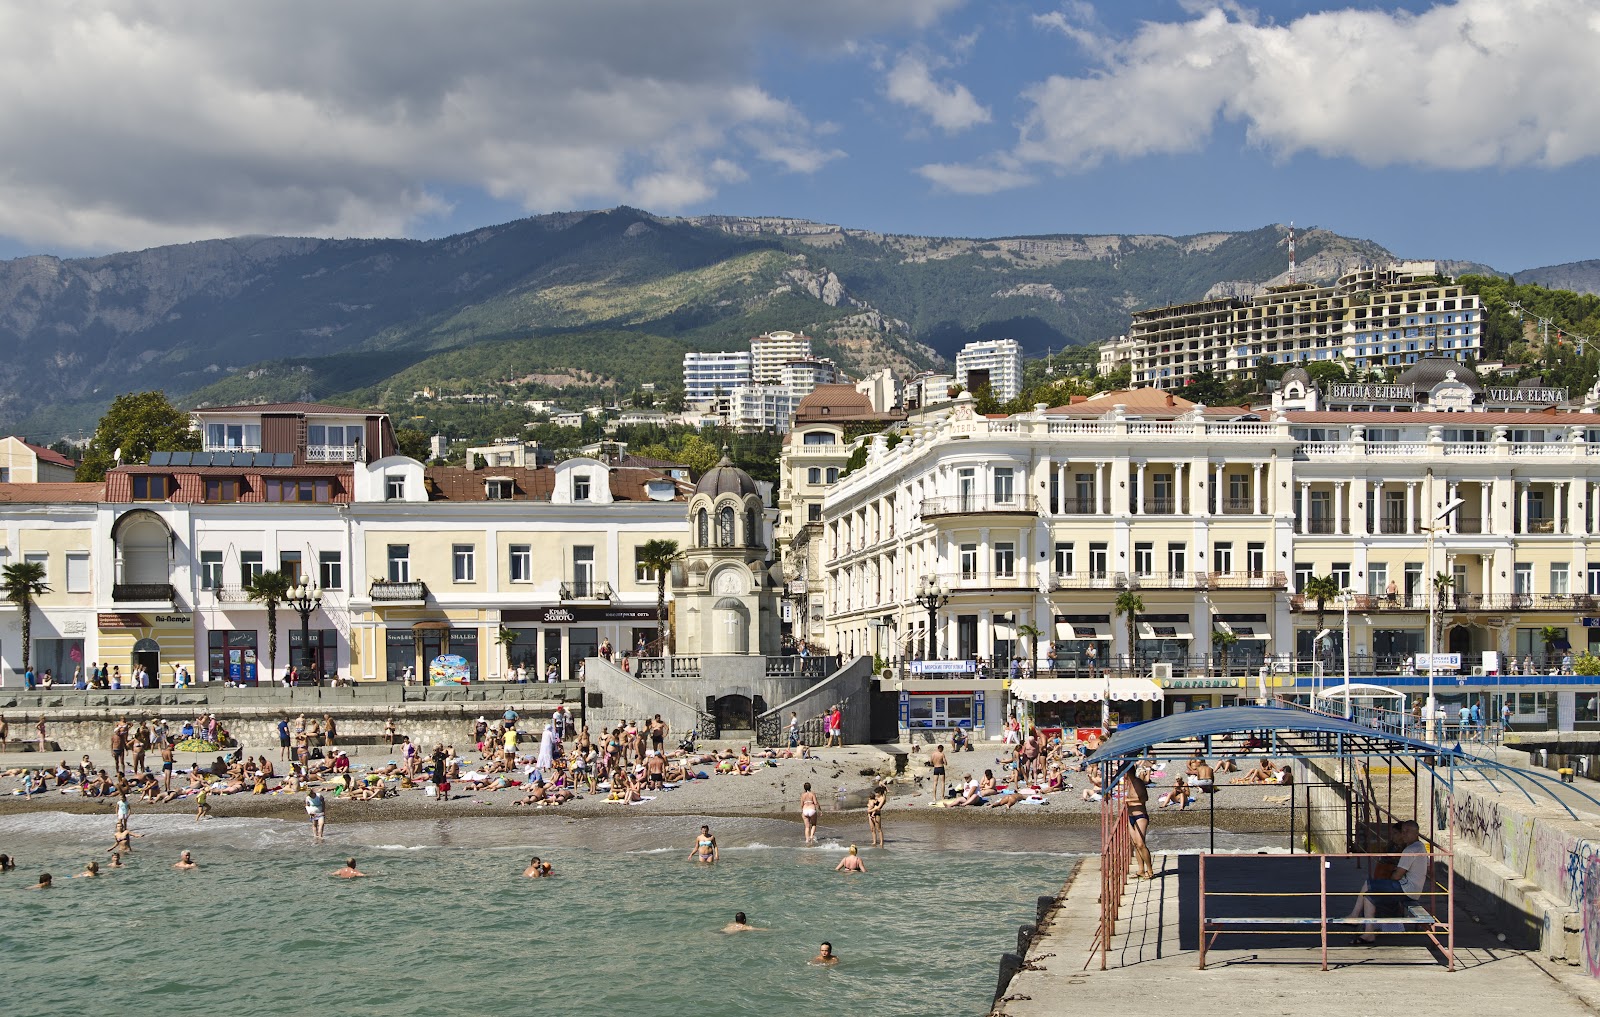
x: 1088, y: 580
x: 1116, y: 857
x: 1169, y: 580
x: 390, y: 591
x: 1079, y: 507
x: 586, y: 590
x: 332, y: 453
x: 1014, y: 580
x: 1025, y: 504
x: 160, y: 593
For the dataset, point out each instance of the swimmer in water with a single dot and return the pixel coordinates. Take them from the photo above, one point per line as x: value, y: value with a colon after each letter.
x: 116, y: 860
x: 537, y: 869
x: 43, y: 883
x: 705, y: 847
x: 740, y: 925
x: 186, y: 862
x: 825, y: 955
x: 7, y: 863
x: 90, y: 871
x: 350, y: 871
x: 851, y: 862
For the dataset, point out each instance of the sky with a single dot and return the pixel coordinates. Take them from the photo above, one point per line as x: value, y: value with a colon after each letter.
x: 1466, y: 130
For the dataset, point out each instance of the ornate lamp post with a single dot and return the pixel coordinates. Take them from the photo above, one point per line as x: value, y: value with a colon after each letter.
x: 304, y: 598
x: 933, y: 595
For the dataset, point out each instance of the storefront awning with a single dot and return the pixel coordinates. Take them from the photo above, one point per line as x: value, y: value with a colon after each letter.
x: 1245, y: 631
x: 1164, y: 630
x: 1067, y: 630
x: 1086, y: 690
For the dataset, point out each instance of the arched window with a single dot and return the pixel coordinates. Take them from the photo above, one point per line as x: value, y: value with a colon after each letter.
x: 704, y: 526
x: 752, y: 527
x: 725, y: 526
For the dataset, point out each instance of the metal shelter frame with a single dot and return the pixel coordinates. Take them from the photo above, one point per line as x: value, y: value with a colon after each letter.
x: 1292, y: 731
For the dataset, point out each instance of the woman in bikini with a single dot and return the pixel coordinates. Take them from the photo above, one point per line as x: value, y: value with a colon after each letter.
x: 808, y: 813
x: 875, y: 804
x: 705, y: 847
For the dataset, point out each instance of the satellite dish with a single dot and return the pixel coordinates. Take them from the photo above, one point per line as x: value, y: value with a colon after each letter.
x: 117, y: 455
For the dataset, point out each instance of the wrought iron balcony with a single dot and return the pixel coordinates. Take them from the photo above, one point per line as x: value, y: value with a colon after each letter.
x: 143, y: 593
x: 386, y: 591
x: 585, y: 590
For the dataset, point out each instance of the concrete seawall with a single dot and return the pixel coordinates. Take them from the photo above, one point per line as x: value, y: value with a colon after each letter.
x: 82, y: 721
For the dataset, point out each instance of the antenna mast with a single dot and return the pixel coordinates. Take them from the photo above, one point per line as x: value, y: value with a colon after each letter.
x: 1292, y: 279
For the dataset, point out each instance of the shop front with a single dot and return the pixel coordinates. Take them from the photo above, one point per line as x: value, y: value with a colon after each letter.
x: 1082, y: 641
x: 160, y: 642
x: 937, y: 706
x: 58, y: 647
x: 564, y: 637
x: 1184, y: 695
x: 1066, y: 704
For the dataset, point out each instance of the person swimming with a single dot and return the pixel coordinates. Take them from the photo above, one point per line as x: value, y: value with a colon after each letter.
x: 186, y: 862
x: 537, y: 869
x: 705, y: 847
x: 825, y: 955
x: 739, y: 924
x: 851, y: 862
x: 349, y: 871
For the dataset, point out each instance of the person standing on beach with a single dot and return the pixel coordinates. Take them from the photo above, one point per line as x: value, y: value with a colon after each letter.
x: 794, y: 729
x: 119, y: 746
x: 938, y: 760
x: 875, y: 804
x: 39, y: 728
x: 808, y: 813
x: 202, y: 805
x: 283, y: 738
x: 167, y: 763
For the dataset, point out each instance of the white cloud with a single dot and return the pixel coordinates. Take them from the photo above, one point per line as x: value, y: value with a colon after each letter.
x: 136, y: 123
x: 948, y: 104
x: 1469, y: 84
x: 959, y: 178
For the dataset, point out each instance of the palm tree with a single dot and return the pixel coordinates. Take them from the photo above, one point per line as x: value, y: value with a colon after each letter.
x: 1321, y: 589
x: 507, y: 638
x: 1443, y: 583
x: 21, y: 582
x: 658, y: 556
x: 271, y: 589
x: 1224, y: 643
x: 1129, y: 605
x: 1030, y: 633
x: 1549, y: 635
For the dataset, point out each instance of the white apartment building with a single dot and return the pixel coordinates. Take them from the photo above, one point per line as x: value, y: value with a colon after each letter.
x: 999, y: 361
x: 763, y: 407
x: 710, y: 376
x: 1370, y: 319
x: 801, y: 376
x: 771, y: 350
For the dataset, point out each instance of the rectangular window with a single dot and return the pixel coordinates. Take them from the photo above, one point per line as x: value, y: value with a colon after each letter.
x: 1222, y: 556
x: 1177, y: 559
x: 251, y: 565
x: 299, y: 490
x: 814, y: 512
x: 1377, y: 577
x: 1099, y: 560
x: 1063, y: 559
x: 831, y: 475
x: 521, y: 563
x: 1560, y: 578
x: 1144, y: 559
x: 497, y: 490
x: 211, y: 570
x: 1594, y: 580
x: 239, y: 436
x: 78, y: 572
x: 394, y: 489
x: 330, y: 570
x: 1005, y: 560
x: 41, y: 559
x: 5, y: 474
x: 289, y: 563
x: 399, y: 563
x: 969, y: 561
x: 1255, y: 558
x: 150, y: 488
x: 222, y: 490
x: 814, y: 475
x: 464, y: 563
x: 580, y: 487
x: 1341, y: 574
x: 1523, y: 578
x: 1005, y: 489
x: 1303, y: 572
x: 1413, y: 580
x: 583, y: 570
x: 642, y: 573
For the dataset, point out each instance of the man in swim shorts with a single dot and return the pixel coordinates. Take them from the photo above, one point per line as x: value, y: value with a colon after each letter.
x: 938, y: 761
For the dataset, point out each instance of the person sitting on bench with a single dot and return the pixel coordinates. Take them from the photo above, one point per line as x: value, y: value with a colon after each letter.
x: 1407, y: 875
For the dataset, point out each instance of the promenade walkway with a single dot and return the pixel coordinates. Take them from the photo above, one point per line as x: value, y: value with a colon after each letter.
x: 1152, y: 967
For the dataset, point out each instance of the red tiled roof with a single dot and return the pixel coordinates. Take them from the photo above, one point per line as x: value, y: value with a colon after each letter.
x: 1143, y: 401
x: 191, y: 481
x: 51, y: 492
x: 49, y: 455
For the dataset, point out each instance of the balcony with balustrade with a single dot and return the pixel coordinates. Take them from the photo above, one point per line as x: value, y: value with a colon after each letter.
x: 332, y: 453
x: 398, y: 593
x: 1015, y: 580
x: 1088, y: 581
x: 586, y: 589
x: 978, y: 505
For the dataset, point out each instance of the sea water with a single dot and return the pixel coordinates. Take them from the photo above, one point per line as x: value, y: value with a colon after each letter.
x: 446, y: 924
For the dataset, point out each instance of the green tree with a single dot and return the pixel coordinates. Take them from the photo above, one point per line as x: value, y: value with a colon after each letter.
x: 1130, y: 605
x: 1030, y: 634
x: 506, y: 639
x: 1321, y: 589
x: 270, y: 589
x: 410, y: 441
x: 137, y: 423
x: 658, y: 556
x: 1549, y: 635
x: 1223, y: 643
x: 21, y: 582
x: 698, y: 454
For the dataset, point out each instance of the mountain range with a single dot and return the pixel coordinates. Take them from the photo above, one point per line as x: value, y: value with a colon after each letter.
x: 582, y: 302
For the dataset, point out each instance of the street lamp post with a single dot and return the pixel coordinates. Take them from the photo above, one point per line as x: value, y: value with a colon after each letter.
x: 304, y: 598
x: 932, y: 596
x: 1430, y: 722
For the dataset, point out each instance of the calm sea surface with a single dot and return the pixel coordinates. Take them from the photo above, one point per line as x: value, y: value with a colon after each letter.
x: 446, y: 924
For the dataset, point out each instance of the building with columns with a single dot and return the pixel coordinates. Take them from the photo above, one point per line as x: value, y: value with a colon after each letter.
x: 1216, y: 518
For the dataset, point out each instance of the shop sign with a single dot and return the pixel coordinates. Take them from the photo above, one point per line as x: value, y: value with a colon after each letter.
x: 1528, y: 395
x: 120, y: 620
x: 1372, y: 393
x: 944, y: 667
x: 174, y: 619
x: 569, y: 615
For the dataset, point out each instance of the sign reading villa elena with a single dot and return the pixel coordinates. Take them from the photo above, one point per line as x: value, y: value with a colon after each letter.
x: 1373, y: 393
x: 1527, y: 395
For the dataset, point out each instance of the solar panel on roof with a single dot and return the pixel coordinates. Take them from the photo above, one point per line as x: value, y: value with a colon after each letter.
x: 160, y: 458
x: 181, y: 458
x: 282, y: 458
